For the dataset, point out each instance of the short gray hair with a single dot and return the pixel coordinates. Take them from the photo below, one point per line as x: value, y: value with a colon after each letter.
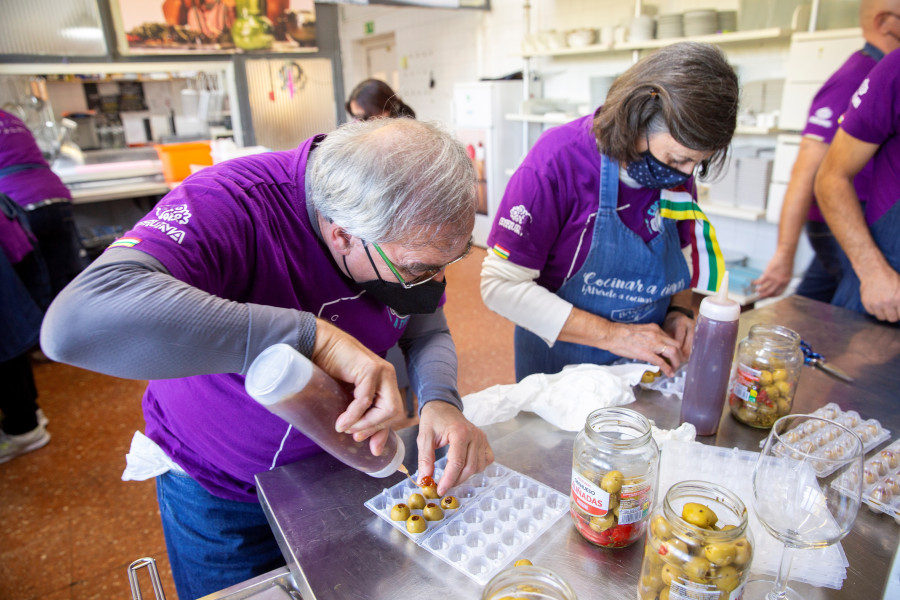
x: 394, y: 180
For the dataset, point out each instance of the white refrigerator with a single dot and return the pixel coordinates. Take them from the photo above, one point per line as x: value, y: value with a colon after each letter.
x: 495, y: 145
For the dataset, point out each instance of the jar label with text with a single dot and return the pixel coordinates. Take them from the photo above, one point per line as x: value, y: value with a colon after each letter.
x: 634, y: 503
x: 588, y: 495
x: 746, y: 383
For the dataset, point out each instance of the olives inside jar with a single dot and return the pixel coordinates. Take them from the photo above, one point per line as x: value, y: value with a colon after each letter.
x: 764, y: 375
x: 698, y: 545
x: 614, y: 476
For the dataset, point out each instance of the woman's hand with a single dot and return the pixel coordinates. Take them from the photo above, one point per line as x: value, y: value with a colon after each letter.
x: 469, y: 453
x: 376, y: 397
x: 681, y: 328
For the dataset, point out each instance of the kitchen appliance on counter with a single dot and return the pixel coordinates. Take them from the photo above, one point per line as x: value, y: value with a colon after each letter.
x: 85, y: 134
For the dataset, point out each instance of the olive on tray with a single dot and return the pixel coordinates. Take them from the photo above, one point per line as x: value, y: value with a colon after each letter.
x: 415, y: 524
x: 432, y: 512
x: 399, y: 512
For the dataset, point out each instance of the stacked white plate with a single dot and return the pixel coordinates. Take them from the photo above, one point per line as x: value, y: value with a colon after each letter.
x: 641, y: 29
x: 701, y: 22
x: 727, y: 20
x: 669, y: 26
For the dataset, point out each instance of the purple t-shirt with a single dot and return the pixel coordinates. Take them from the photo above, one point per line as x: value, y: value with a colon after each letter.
x: 873, y: 116
x: 17, y: 147
x: 546, y: 218
x: 240, y: 230
x: 828, y: 105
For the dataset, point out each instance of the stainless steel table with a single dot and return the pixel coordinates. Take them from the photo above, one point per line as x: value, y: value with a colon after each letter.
x: 336, y: 548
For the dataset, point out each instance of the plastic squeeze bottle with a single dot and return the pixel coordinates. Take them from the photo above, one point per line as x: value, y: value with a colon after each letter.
x: 292, y: 387
x: 709, y: 368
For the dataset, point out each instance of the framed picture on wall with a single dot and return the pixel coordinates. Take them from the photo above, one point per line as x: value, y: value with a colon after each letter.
x: 214, y: 26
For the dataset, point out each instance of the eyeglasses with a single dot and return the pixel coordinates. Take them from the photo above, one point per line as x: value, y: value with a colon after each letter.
x: 424, y: 277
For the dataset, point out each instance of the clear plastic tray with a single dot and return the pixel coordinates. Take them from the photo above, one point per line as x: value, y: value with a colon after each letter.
x: 501, y: 512
x: 831, y: 442
x: 673, y: 386
x: 881, y: 481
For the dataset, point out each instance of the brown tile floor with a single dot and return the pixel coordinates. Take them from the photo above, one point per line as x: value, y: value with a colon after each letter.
x: 69, y: 526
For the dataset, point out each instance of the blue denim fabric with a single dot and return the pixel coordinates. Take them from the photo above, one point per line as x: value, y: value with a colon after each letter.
x: 824, y: 271
x: 212, y: 543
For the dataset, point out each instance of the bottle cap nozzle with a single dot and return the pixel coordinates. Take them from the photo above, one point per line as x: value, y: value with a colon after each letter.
x: 722, y: 293
x: 720, y: 307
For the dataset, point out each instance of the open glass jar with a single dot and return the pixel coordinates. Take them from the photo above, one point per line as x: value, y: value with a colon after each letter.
x: 764, y: 375
x: 528, y: 583
x: 615, y: 467
x: 698, y: 545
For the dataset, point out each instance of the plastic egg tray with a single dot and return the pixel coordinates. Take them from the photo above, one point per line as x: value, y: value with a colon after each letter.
x: 501, y: 512
x: 673, y: 386
x: 830, y: 442
x: 881, y: 481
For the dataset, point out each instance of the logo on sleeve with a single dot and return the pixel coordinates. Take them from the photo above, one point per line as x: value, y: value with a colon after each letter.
x: 165, y: 217
x: 517, y: 217
x: 822, y: 117
x: 856, y: 100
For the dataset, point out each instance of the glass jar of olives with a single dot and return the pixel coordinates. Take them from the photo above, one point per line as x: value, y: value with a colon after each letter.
x: 528, y: 582
x: 698, y: 545
x: 615, y: 467
x: 764, y: 375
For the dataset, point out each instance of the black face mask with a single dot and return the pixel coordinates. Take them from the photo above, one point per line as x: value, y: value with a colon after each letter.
x: 419, y: 300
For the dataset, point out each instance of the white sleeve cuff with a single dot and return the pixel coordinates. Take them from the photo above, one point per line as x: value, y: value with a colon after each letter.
x: 509, y: 290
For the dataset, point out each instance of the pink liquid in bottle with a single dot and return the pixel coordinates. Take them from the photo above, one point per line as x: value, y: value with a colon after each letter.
x: 292, y: 387
x: 709, y: 368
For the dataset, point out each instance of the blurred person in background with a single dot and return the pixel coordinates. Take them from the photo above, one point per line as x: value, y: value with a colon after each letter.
x: 24, y: 294
x: 374, y: 98
x: 26, y: 178
x: 586, y: 248
x: 869, y: 131
x: 877, y: 18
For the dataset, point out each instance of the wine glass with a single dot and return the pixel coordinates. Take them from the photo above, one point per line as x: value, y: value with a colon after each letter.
x: 788, y: 499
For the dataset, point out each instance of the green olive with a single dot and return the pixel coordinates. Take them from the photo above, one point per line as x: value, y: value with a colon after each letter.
x: 603, y: 523
x: 613, y: 502
x: 415, y: 524
x: 765, y: 377
x: 660, y: 527
x: 432, y: 512
x: 670, y: 573
x: 399, y: 512
x: 523, y: 562
x: 727, y: 578
x: 674, y: 549
x: 612, y: 482
x: 651, y: 581
x: 450, y: 502
x: 699, y: 515
x: 779, y: 374
x: 664, y: 594
x: 784, y: 388
x: 720, y: 554
x: 416, y: 501
x: 430, y: 492
x: 742, y: 552
x: 697, y: 569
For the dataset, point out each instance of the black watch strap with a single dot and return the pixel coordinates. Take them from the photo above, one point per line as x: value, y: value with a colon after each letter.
x: 685, y: 311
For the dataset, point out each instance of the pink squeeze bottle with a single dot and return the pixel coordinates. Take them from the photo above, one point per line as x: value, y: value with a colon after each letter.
x: 292, y: 387
x: 709, y: 367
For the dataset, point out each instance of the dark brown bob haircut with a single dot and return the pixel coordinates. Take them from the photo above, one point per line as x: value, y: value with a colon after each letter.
x: 687, y: 89
x: 376, y: 97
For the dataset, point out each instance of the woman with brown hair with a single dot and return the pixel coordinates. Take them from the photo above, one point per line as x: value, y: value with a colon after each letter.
x: 588, y: 281
x: 374, y: 98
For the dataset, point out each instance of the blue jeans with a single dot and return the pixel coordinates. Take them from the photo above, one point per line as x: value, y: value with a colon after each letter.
x: 212, y: 543
x: 824, y: 272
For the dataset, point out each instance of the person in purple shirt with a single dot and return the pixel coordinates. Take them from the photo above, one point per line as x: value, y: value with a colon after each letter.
x: 870, y: 130
x: 580, y: 258
x: 337, y: 248
x: 824, y: 271
x: 26, y: 178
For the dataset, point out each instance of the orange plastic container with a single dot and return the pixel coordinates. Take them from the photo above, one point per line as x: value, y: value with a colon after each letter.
x: 177, y: 158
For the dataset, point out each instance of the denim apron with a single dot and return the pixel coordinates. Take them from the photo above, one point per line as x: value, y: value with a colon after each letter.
x: 884, y: 232
x: 623, y: 279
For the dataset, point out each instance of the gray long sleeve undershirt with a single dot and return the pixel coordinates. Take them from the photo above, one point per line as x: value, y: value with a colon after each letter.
x: 126, y: 316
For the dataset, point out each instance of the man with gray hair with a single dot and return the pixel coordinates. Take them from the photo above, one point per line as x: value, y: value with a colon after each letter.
x: 337, y: 248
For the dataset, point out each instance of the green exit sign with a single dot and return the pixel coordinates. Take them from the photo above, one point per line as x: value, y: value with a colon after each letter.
x: 370, y: 27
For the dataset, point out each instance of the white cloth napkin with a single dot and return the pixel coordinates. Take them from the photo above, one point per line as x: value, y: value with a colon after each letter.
x: 145, y: 460
x: 564, y: 399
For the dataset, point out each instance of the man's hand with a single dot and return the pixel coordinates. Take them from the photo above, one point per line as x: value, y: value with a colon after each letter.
x: 376, y: 397
x: 775, y: 279
x: 880, y: 295
x: 440, y: 424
